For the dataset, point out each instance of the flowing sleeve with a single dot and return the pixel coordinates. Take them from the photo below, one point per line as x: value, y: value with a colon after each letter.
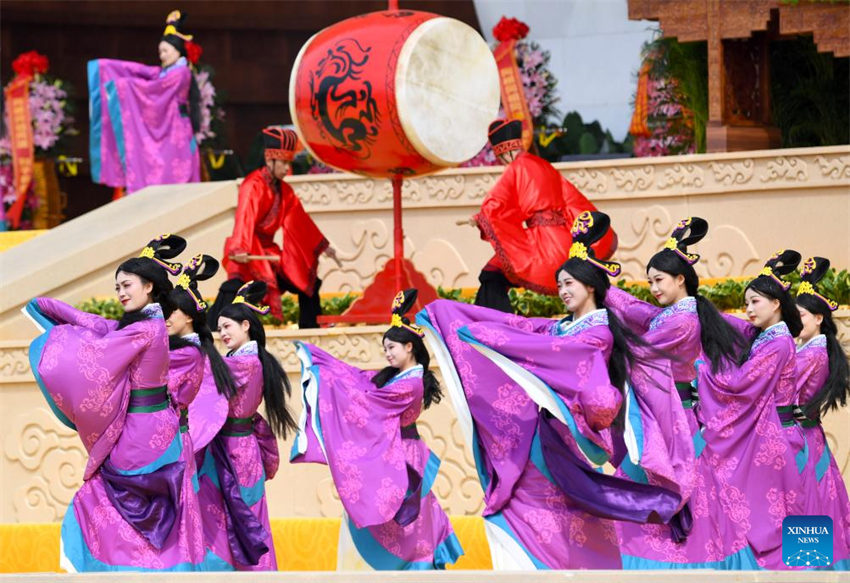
x: 566, y: 376
x: 58, y: 312
x: 207, y: 411
x: 496, y: 418
x: 500, y: 218
x: 247, y: 211
x: 85, y: 377
x: 107, y: 164
x: 154, y: 141
x: 303, y: 242
x: 185, y: 374
x: 812, y: 367
x: 358, y: 428
x: 635, y: 313
x: 269, y: 452
x: 746, y: 329
x: 657, y: 435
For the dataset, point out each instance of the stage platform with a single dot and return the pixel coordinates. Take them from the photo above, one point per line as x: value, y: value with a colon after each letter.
x: 448, y: 577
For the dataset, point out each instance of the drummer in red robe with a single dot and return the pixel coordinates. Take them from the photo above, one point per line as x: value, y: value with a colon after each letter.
x: 526, y: 217
x: 267, y: 203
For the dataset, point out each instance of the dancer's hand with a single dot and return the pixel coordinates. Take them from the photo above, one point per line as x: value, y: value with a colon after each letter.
x: 331, y: 252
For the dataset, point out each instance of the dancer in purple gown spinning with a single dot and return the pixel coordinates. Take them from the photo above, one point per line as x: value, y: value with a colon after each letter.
x: 244, y: 454
x: 543, y: 402
x: 823, y: 384
x: 687, y: 325
x: 363, y: 426
x: 136, y: 509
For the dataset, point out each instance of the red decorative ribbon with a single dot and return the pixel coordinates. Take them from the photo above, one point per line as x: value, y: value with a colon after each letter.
x: 23, y: 147
x: 513, y: 96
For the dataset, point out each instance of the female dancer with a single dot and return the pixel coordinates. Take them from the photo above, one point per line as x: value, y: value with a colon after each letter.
x: 199, y: 382
x: 546, y: 506
x: 144, y: 117
x: 136, y: 509
x: 743, y: 409
x: 363, y: 426
x: 823, y: 381
x: 687, y: 325
x: 244, y: 454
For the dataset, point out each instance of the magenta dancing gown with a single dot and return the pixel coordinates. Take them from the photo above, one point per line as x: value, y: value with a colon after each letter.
x: 382, y: 470
x: 235, y: 467
x: 500, y: 369
x: 754, y: 459
x: 829, y: 497
x: 136, y: 509
x: 192, y: 387
x: 676, y: 329
x: 140, y: 131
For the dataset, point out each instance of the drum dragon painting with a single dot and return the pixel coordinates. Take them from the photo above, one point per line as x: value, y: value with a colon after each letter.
x: 341, y: 100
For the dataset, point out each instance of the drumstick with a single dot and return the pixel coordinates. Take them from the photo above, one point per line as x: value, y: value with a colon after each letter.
x: 259, y: 257
x: 463, y: 222
x: 337, y: 261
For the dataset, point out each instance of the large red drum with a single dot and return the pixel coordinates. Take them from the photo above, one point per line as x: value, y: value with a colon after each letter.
x: 394, y: 93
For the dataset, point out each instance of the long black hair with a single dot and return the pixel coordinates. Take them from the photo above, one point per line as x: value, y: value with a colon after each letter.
x: 769, y: 285
x: 594, y: 273
x: 276, y: 388
x: 186, y: 298
x: 835, y: 390
x: 152, y: 267
x: 721, y: 343
x: 404, y: 333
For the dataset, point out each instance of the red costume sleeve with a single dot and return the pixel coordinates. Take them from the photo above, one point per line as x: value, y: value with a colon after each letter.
x: 500, y: 222
x: 255, y: 199
x: 303, y: 242
x: 501, y: 205
x: 242, y: 239
x: 574, y: 204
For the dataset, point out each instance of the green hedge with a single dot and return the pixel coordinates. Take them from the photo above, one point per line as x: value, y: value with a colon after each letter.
x: 725, y: 294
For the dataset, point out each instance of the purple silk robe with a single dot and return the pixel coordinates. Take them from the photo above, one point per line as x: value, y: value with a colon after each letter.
x: 752, y: 459
x: 829, y: 497
x: 500, y: 369
x: 141, y: 133
x: 193, y: 389
x: 382, y: 471
x: 235, y: 467
x: 675, y: 329
x: 136, y: 509
x: 207, y: 411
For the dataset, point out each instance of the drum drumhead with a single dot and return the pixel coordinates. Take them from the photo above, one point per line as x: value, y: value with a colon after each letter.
x: 447, y: 90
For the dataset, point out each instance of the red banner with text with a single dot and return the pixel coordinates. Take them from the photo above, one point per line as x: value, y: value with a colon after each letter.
x: 513, y: 97
x: 23, y: 148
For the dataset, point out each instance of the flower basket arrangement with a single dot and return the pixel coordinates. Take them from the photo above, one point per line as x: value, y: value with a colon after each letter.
x: 670, y: 106
x: 212, y: 115
x: 35, y: 98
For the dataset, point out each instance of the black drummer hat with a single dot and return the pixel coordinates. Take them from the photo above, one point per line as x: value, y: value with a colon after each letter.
x: 173, y: 33
x: 280, y: 143
x: 505, y: 135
